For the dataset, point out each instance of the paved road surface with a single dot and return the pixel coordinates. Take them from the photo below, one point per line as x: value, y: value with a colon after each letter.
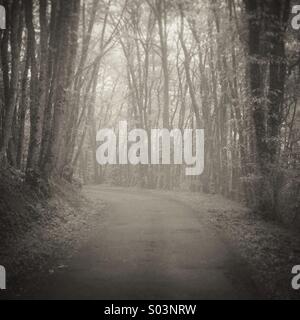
x: 148, y: 246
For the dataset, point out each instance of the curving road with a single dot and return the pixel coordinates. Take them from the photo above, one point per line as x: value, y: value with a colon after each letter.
x: 149, y: 246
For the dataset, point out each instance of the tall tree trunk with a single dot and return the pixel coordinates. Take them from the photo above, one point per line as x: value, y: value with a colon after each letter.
x: 161, y: 15
x: 37, y: 88
x: 269, y: 48
x: 66, y: 53
x: 11, y: 86
x: 22, y: 113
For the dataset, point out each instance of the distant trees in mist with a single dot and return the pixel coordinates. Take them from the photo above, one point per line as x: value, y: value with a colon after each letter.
x: 70, y: 68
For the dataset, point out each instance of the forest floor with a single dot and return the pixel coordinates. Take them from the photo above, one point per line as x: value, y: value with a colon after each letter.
x: 164, y: 245
x: 36, y: 232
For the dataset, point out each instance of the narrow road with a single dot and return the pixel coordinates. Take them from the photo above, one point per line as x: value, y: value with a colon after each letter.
x: 149, y: 246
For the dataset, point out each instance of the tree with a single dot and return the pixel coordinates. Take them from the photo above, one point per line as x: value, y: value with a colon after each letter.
x: 267, y: 49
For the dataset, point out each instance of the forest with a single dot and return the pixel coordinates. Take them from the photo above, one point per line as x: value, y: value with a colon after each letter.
x: 69, y: 68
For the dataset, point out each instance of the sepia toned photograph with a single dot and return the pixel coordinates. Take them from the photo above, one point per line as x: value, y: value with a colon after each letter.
x: 149, y: 152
